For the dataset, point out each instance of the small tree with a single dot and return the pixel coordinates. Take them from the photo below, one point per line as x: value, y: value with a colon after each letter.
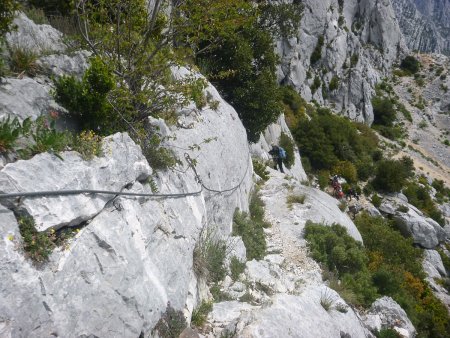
x: 410, y: 64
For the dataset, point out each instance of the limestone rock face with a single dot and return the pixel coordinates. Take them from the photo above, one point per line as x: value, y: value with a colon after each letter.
x: 60, y: 64
x: 432, y: 264
x: 361, y: 40
x: 424, y: 230
x: 392, y: 316
x: 122, y: 164
x: 26, y: 97
x: 37, y: 38
x: 132, y: 255
x: 425, y: 24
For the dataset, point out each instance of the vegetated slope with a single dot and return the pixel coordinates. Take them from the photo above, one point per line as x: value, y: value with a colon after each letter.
x: 426, y: 96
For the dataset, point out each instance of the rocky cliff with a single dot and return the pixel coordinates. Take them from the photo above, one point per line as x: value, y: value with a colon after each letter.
x: 425, y: 24
x: 342, y: 49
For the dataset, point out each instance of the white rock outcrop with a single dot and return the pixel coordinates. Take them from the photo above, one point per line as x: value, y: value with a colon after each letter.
x: 133, y: 255
x: 361, y: 41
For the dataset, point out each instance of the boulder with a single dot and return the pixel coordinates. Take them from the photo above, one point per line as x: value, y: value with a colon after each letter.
x: 432, y: 264
x: 26, y: 97
x: 121, y: 164
x: 61, y: 64
x: 37, y: 38
x: 392, y: 315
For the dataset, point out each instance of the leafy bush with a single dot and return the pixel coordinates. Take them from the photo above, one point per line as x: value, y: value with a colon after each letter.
x: 334, y: 83
x: 419, y: 197
x: 252, y: 235
x: 376, y: 200
x: 11, y: 130
x: 384, y: 112
x: 391, y: 175
x: 63, y: 7
x: 410, y: 64
x: 354, y: 60
x: 171, y: 323
x: 236, y: 267
x: 159, y: 157
x: 87, y: 100
x: 326, y: 139
x: 316, y: 84
x: 200, y: 313
x: 209, y: 257
x: 260, y: 169
x: 317, y: 53
x: 288, y: 145
x: 345, y: 169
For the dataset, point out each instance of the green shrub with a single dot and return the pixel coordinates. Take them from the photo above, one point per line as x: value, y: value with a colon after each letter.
x: 391, y: 175
x: 316, y: 84
x: 288, y: 145
x: 62, y: 7
x: 36, y: 14
x: 11, y: 130
x: 317, y: 53
x: 159, y: 157
x: 200, y: 313
x: 236, y: 267
x: 260, y: 169
x: 354, y: 60
x: 345, y: 169
x: 252, y: 234
x: 387, y: 333
x: 209, y: 257
x: 410, y: 64
x: 334, y: 83
x: 324, y: 178
x: 171, y: 323
x: 87, y: 100
x: 376, y: 200
x: 419, y: 197
x: 8, y: 10
x: 383, y: 110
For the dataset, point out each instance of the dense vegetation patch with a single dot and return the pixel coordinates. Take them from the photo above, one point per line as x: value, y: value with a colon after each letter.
x: 410, y: 64
x: 251, y: 228
x: 388, y: 264
x: 392, y: 175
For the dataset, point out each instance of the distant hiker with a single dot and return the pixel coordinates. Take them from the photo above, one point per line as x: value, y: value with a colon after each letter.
x: 278, y: 154
x: 352, y: 193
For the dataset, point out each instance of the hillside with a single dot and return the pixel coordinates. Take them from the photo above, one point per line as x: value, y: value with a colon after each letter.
x: 138, y: 197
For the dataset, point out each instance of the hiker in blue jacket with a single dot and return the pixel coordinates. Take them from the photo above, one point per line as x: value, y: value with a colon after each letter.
x: 278, y: 154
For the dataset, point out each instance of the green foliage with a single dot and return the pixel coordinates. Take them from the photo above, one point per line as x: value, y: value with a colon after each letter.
x: 376, y: 200
x: 11, y: 130
x: 46, y: 138
x: 288, y: 145
x: 7, y: 13
x: 419, y: 197
x: 260, y: 169
x: 387, y: 333
x: 391, y: 175
x: 384, y: 112
x: 87, y: 101
x: 334, y: 83
x: 397, y: 272
x: 317, y: 53
x: 326, y: 139
x: 37, y: 245
x: 159, y: 157
x: 345, y: 169
x: 209, y: 257
x: 88, y: 145
x: 200, y: 313
x: 410, y: 64
x: 54, y: 7
x: 281, y: 19
x: 171, y: 323
x: 252, y: 234
x: 354, y: 60
x: 236, y: 267
x: 23, y: 60
x: 316, y: 84
x: 323, y: 177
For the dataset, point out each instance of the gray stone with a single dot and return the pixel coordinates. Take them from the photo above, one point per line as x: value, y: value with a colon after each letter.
x: 60, y: 64
x: 122, y: 164
x: 37, y: 38
x: 302, y: 316
x: 26, y: 97
x: 373, y: 212
x: 432, y: 264
x: 392, y: 315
